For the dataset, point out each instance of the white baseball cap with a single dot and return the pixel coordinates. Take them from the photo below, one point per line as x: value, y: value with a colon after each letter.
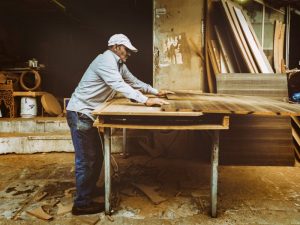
x: 121, y: 39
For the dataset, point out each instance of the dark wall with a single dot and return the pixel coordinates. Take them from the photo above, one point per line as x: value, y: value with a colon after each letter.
x: 66, y: 42
x: 294, y: 41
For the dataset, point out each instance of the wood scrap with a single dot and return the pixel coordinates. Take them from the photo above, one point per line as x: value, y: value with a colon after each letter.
x: 88, y: 220
x: 24, y: 204
x: 150, y: 192
x: 63, y: 209
x: 40, y: 196
x: 54, y: 202
x: 69, y: 192
x: 110, y: 218
x: 39, y: 213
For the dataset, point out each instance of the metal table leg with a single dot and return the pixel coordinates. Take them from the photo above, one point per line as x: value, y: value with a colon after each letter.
x: 107, y: 150
x: 214, y: 172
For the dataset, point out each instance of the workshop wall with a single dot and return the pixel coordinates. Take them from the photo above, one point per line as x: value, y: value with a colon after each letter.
x: 67, y: 40
x: 178, y: 44
x: 294, y: 41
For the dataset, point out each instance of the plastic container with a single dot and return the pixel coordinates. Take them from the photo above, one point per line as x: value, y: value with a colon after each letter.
x: 28, y: 107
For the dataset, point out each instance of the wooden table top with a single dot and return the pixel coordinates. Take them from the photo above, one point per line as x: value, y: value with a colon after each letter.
x: 197, y: 104
x: 123, y: 106
x: 230, y: 104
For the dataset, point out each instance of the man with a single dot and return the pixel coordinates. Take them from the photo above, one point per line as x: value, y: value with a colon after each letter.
x: 105, y: 76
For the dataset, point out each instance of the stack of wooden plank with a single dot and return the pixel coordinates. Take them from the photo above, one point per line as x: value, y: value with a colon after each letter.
x: 230, y: 104
x: 236, y: 64
x: 232, y: 45
x: 257, y: 139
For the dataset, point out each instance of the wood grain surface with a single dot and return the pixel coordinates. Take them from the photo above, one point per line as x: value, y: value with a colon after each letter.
x: 229, y: 104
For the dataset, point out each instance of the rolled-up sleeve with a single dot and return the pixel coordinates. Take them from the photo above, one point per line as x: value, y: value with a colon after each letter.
x: 136, y: 83
x: 110, y: 74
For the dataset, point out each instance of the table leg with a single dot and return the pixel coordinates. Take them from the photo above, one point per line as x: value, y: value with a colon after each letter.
x: 214, y: 172
x: 107, y: 150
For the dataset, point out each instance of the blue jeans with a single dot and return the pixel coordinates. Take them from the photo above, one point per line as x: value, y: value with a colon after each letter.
x: 88, y: 156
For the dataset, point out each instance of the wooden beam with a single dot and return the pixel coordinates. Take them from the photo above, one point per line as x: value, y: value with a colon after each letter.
x: 233, y: 23
x: 257, y: 52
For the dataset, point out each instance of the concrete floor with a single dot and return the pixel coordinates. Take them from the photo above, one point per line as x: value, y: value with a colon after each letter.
x: 247, y: 195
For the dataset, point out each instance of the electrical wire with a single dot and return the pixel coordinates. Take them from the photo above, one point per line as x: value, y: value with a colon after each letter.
x: 116, y: 166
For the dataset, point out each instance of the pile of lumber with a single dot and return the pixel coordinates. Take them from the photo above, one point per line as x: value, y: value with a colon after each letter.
x: 232, y: 45
x: 257, y: 139
x: 236, y: 64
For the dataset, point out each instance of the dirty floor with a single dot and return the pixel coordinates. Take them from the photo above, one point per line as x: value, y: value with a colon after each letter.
x: 179, y: 192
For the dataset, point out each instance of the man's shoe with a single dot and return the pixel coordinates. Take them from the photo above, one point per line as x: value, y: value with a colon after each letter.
x: 91, y: 208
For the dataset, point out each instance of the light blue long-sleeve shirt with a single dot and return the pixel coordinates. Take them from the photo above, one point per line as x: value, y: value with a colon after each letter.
x: 103, y: 78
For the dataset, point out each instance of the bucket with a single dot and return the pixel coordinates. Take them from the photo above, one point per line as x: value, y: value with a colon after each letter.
x: 28, y: 107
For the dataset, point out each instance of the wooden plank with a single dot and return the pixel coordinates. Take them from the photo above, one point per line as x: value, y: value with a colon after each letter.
x: 210, y: 83
x: 239, y: 63
x: 223, y: 65
x: 281, y: 47
x: 257, y: 52
x: 150, y: 192
x: 231, y: 104
x: 213, y: 60
x: 252, y: 139
x: 39, y: 213
x: 296, y: 136
x: 224, y: 51
x: 208, y: 33
x: 276, y: 46
x: 266, y: 61
x: 257, y: 140
x: 266, y: 85
x: 28, y: 93
x: 239, y: 38
x: 242, y: 37
x: 296, y: 120
x: 123, y: 106
x: 216, y: 54
x: 222, y: 126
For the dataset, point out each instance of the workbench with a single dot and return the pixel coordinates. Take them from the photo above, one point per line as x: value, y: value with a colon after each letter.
x: 186, y: 112
x: 121, y: 113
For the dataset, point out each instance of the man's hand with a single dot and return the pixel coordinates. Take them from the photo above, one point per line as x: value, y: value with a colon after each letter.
x: 156, y: 102
x: 162, y: 93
